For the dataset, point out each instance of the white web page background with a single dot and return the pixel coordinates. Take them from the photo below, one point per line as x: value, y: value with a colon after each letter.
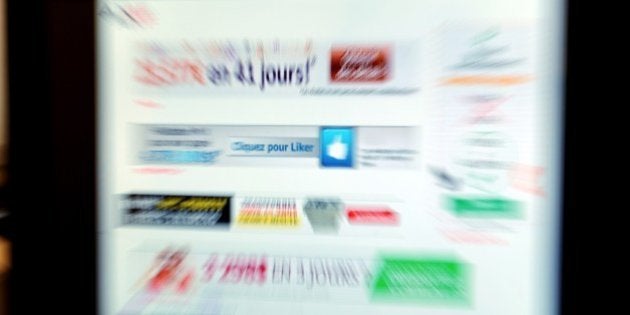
x: 509, y: 279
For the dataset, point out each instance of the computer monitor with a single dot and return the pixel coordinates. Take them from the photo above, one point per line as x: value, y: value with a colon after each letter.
x: 329, y: 157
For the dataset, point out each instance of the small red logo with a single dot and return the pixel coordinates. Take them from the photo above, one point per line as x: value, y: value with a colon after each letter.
x: 359, y: 64
x: 371, y: 215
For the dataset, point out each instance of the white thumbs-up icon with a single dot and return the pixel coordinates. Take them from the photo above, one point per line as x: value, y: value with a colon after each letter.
x: 337, y: 149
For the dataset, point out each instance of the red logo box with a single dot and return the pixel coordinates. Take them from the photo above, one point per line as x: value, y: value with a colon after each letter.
x: 359, y: 64
x: 371, y: 215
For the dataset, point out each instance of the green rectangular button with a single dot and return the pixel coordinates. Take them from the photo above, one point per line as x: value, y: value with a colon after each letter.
x: 484, y: 207
x: 434, y: 281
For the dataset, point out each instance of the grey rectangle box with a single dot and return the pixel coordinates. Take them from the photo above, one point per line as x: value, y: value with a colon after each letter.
x: 323, y: 213
x: 273, y: 147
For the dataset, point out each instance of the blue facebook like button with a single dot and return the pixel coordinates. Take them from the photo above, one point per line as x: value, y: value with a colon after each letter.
x: 336, y: 147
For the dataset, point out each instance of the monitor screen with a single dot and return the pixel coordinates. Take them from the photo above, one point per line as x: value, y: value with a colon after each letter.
x: 329, y: 157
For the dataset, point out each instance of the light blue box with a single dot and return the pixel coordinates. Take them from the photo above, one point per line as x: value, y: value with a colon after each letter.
x: 337, y: 147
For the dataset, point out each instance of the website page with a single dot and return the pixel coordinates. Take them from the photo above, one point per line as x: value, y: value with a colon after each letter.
x: 329, y: 157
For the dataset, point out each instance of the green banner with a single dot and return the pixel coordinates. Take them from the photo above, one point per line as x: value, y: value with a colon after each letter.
x: 432, y: 281
x: 484, y: 207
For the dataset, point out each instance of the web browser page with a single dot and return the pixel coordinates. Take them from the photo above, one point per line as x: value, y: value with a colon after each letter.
x: 329, y: 157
